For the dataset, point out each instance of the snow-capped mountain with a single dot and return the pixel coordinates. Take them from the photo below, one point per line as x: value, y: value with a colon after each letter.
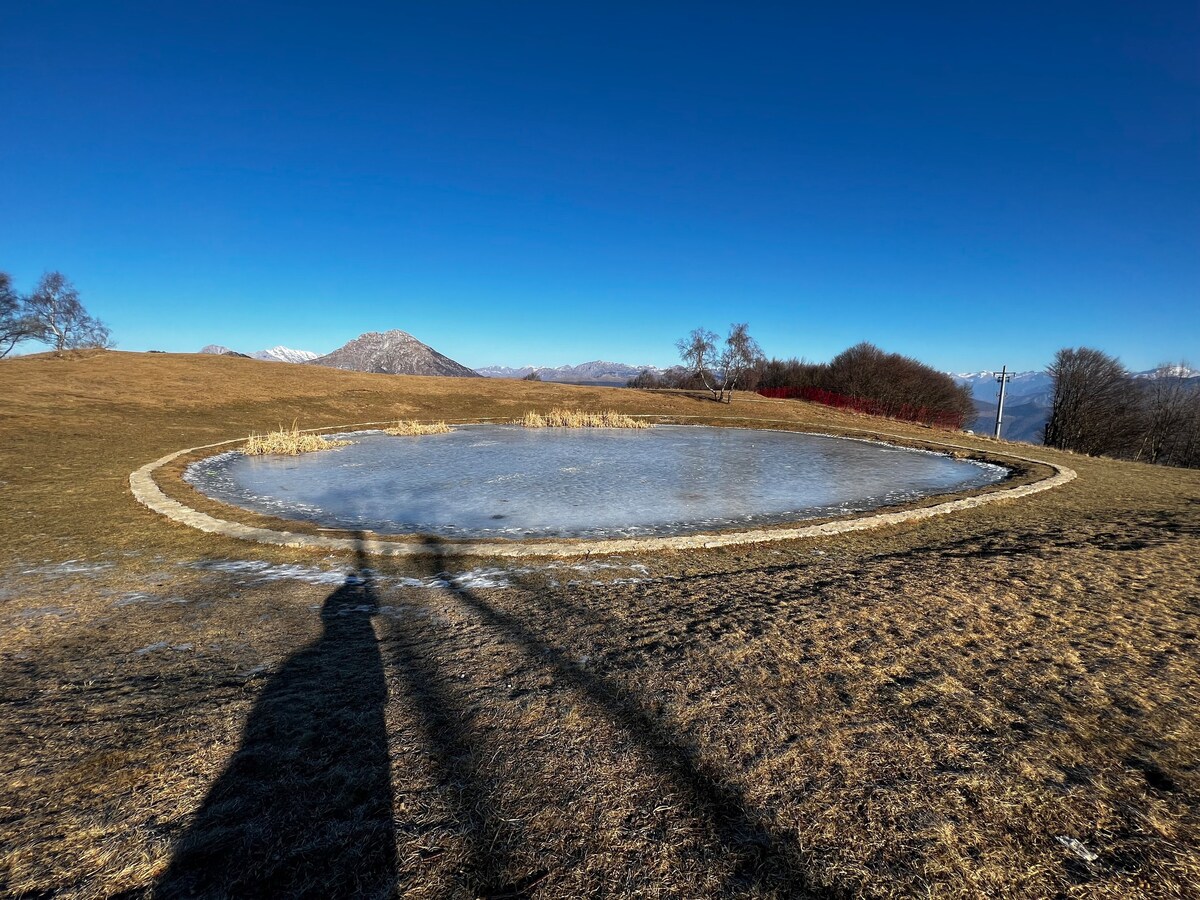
x: 984, y: 386
x: 595, y: 372
x: 392, y: 353
x: 1175, y: 371
x: 285, y: 354
x: 275, y: 354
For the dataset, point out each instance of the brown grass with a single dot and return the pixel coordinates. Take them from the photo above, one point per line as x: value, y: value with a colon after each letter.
x: 289, y: 442
x: 575, y: 418
x: 999, y: 703
x: 412, y: 428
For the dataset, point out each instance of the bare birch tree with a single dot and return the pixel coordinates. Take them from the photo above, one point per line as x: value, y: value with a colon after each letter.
x: 740, y: 354
x: 15, y: 325
x: 698, y: 352
x: 59, y: 319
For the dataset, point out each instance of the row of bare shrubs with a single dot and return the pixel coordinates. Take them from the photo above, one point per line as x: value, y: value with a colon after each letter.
x: 887, y: 383
x: 862, y: 377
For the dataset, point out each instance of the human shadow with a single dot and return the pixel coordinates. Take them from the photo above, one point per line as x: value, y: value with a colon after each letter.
x: 763, y: 859
x: 304, y: 808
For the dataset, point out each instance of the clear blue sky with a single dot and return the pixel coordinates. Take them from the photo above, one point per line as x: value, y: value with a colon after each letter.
x: 550, y: 183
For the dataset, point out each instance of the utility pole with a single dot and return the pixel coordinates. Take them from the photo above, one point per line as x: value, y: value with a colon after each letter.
x: 1002, y: 376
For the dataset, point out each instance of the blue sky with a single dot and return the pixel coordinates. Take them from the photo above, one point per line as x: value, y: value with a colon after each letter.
x: 551, y: 182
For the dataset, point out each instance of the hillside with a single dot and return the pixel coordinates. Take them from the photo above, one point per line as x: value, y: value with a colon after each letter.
x: 937, y: 707
x: 1024, y: 418
x: 392, y: 353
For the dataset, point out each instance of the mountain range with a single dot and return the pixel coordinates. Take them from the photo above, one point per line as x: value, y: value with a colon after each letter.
x: 389, y: 353
x: 596, y: 372
x: 275, y: 354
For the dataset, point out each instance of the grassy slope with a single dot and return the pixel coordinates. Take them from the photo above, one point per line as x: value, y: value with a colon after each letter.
x: 926, y: 707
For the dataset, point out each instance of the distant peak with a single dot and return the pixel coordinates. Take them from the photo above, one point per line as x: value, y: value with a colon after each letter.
x: 392, y: 352
x: 285, y: 354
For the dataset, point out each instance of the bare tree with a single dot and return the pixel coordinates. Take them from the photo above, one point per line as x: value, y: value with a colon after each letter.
x: 739, y: 356
x: 698, y: 353
x: 1166, y: 408
x: 644, y: 380
x: 15, y: 325
x: 1094, y: 409
x: 1187, y: 449
x: 59, y: 319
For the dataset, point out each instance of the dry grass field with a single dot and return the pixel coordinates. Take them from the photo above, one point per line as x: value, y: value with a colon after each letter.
x: 1000, y: 703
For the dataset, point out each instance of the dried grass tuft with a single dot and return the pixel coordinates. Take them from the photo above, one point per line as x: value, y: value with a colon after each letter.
x: 289, y: 442
x: 413, y: 427
x: 573, y: 418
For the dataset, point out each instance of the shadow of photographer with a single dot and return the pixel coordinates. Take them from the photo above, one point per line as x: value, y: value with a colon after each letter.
x: 305, y: 805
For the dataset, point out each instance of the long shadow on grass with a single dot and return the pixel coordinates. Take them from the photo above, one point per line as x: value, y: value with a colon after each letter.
x: 455, y: 749
x: 305, y: 806
x: 764, y: 860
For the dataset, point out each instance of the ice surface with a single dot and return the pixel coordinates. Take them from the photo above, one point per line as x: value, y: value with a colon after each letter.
x: 513, y: 482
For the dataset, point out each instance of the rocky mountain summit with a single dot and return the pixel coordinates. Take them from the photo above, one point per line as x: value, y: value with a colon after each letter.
x: 392, y: 353
x: 218, y: 350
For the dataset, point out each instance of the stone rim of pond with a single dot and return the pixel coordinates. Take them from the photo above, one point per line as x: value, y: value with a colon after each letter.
x: 506, y: 482
x: 148, y: 492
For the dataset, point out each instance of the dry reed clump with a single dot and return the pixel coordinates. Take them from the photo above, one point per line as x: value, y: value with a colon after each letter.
x: 413, y: 427
x: 571, y: 418
x: 289, y: 442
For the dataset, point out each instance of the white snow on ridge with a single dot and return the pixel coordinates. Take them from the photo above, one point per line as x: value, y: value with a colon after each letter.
x: 595, y: 371
x: 285, y: 354
x: 1175, y: 371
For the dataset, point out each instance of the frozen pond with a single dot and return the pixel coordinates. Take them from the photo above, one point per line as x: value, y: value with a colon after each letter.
x: 512, y: 482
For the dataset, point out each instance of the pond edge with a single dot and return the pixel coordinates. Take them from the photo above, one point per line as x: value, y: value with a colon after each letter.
x: 147, y: 492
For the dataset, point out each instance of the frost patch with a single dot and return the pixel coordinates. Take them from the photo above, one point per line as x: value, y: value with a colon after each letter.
x: 486, y: 577
x: 1078, y: 848
x: 162, y: 645
x: 480, y: 578
x: 258, y: 572
x: 143, y: 598
x: 41, y: 611
x: 70, y: 567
